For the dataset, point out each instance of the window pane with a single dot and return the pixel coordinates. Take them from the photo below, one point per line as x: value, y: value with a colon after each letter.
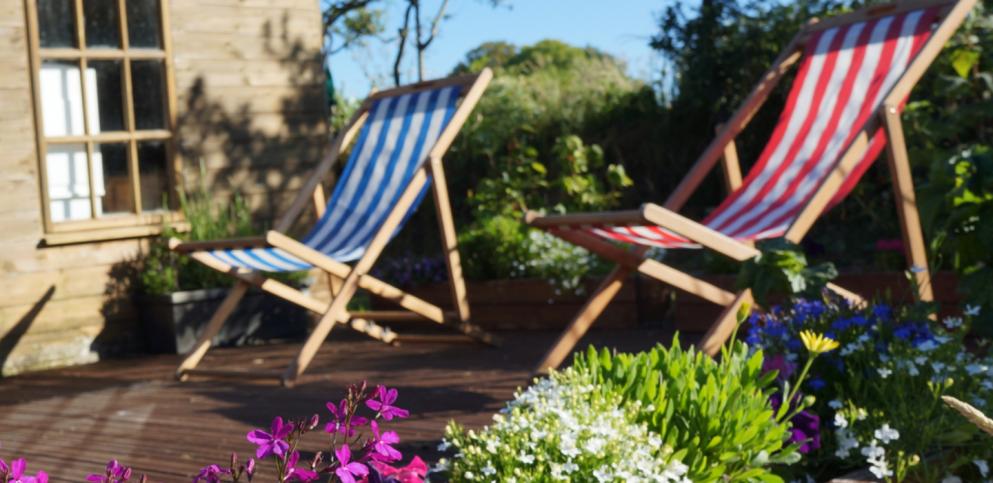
x: 149, y: 94
x: 154, y: 175
x: 143, y: 24
x: 61, y: 98
x: 103, y: 28
x: 56, y: 23
x: 110, y: 166
x: 68, y: 184
x: 105, y: 96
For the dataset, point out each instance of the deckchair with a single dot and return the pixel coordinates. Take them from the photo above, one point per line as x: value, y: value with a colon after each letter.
x: 856, y: 71
x: 402, y: 135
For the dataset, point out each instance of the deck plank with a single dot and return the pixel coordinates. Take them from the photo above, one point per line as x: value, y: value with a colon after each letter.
x: 71, y: 421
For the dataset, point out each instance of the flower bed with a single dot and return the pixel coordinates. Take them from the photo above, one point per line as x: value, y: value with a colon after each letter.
x: 878, y: 397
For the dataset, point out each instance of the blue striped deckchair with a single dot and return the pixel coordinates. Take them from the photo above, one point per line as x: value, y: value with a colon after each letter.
x: 400, y: 136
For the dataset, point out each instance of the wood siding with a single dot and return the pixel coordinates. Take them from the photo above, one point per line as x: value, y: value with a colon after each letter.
x: 250, y: 106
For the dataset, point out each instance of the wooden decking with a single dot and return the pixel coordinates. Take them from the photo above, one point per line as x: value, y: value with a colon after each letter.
x: 70, y: 422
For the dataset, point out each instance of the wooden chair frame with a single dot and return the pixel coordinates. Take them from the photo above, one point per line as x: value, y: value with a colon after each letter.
x: 722, y: 148
x: 345, y: 280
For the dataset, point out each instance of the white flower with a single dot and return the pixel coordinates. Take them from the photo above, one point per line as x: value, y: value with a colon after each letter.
x: 469, y: 475
x: 444, y: 445
x: 951, y: 479
x: 953, y: 322
x: 873, y: 451
x: 886, y: 434
x: 984, y: 467
x: 975, y: 368
x: 835, y: 404
x: 927, y: 346
x: 972, y: 311
x: 861, y: 414
x: 525, y: 458
x: 489, y: 470
x: 880, y: 468
x: 603, y: 475
x: 840, y: 421
x: 570, y: 467
x: 884, y: 372
x: 938, y: 366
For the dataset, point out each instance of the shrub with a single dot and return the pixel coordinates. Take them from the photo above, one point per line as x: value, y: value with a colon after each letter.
x: 555, y: 431
x: 165, y: 271
x: 879, y: 395
x: 716, y: 414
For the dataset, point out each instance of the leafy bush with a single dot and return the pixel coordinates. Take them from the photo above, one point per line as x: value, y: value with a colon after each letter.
x: 879, y: 395
x: 782, y: 267
x: 716, y: 414
x: 165, y: 271
x: 555, y: 431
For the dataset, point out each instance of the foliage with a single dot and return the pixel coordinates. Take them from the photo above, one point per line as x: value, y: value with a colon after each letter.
x: 959, y: 209
x: 782, y: 267
x: 716, y: 414
x: 520, y: 151
x: 879, y: 395
x: 165, y: 271
x: 562, y: 429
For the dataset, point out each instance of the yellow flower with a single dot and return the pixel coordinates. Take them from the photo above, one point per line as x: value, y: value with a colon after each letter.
x: 817, y: 343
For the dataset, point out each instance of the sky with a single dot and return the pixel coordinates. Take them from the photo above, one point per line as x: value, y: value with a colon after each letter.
x: 620, y: 27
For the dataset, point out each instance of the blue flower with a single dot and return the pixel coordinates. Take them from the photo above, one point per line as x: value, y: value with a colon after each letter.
x: 816, y: 384
x: 882, y: 312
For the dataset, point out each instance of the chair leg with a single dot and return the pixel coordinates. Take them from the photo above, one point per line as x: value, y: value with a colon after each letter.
x: 725, y: 324
x: 212, y: 328
x: 595, y: 306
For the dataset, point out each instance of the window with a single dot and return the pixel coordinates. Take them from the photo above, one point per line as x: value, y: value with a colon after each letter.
x: 105, y: 109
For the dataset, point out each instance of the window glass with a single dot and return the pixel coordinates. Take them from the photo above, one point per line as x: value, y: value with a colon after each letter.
x: 149, y: 94
x: 103, y: 28
x: 62, y: 98
x: 57, y: 23
x: 105, y: 96
x: 68, y: 184
x: 143, y: 24
x: 110, y: 168
x: 154, y: 177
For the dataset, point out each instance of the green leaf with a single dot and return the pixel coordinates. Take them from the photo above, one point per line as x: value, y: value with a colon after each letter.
x: 963, y: 61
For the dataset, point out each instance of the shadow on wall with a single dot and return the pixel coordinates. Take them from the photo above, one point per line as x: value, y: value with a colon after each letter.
x: 261, y: 153
x: 261, y: 149
x: 10, y: 339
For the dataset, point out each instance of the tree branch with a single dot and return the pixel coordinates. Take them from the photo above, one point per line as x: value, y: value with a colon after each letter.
x: 402, y: 42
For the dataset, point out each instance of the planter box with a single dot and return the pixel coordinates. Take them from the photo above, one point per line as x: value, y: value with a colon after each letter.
x: 171, y: 323
x: 533, y: 304
x: 523, y: 304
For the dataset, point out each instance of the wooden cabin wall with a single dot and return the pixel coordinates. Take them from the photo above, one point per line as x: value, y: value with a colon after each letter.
x: 250, y: 107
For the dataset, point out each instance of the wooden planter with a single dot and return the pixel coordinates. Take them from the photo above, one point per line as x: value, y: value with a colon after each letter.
x: 534, y: 304
x: 172, y: 322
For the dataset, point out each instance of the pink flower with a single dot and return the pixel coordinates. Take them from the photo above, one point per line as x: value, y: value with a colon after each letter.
x: 382, y: 449
x: 114, y: 473
x: 339, y: 419
x: 210, y: 474
x: 412, y: 473
x: 384, y: 404
x: 295, y: 473
x: 16, y: 473
x: 273, y: 442
x: 347, y: 469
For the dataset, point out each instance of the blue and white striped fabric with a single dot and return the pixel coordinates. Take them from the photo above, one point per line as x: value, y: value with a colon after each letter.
x: 393, y: 144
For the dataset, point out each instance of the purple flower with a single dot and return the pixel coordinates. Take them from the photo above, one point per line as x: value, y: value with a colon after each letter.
x: 340, y: 417
x: 295, y: 473
x: 384, y: 404
x: 273, y: 442
x: 805, y: 426
x: 779, y: 363
x: 4, y: 469
x: 114, y: 473
x: 210, y: 474
x: 348, y: 469
x: 16, y: 473
x: 382, y: 449
x: 250, y: 467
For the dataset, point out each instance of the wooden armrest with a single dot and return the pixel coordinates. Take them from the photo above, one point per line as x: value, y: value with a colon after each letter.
x: 629, y: 217
x: 180, y: 246
x: 698, y: 233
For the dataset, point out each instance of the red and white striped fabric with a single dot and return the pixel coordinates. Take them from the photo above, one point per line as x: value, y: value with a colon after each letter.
x: 846, y: 74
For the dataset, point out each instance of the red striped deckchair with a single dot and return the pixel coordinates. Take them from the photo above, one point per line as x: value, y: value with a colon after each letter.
x: 856, y: 71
